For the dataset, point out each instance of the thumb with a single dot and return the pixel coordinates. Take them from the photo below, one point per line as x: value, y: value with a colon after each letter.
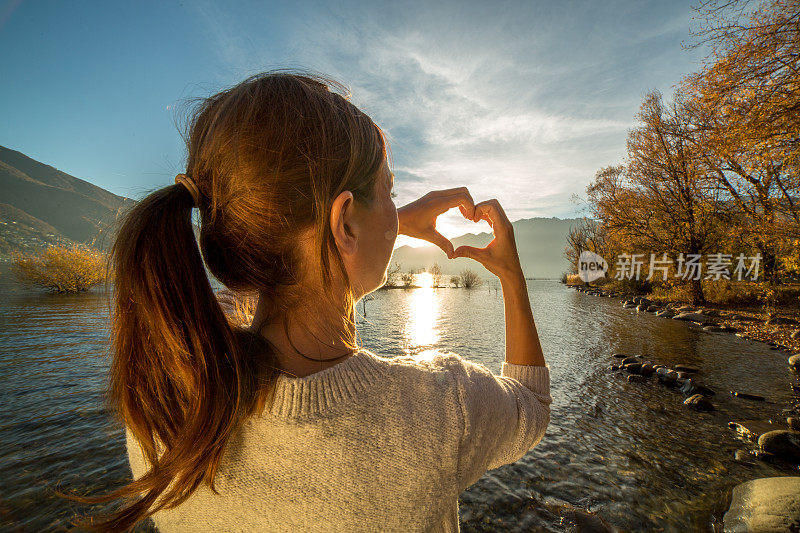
x: 478, y: 254
x: 442, y: 242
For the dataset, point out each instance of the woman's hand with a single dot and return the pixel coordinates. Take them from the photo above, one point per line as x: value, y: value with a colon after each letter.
x: 500, y: 256
x: 418, y: 219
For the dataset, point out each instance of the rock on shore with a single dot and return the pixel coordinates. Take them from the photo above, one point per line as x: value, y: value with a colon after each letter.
x: 765, y: 504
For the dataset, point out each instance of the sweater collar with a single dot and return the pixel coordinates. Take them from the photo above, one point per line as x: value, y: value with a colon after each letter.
x: 322, y: 390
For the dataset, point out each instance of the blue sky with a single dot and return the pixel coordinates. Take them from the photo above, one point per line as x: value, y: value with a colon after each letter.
x: 519, y: 101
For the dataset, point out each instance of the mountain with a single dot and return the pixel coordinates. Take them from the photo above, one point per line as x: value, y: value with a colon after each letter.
x: 540, y: 243
x: 42, y: 205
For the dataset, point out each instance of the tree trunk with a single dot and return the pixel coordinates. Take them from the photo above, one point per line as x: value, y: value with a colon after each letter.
x: 696, y: 292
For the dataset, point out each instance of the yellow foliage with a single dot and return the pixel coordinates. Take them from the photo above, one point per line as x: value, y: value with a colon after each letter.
x: 61, y: 269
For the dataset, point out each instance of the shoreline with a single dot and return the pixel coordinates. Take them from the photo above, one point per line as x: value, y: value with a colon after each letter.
x: 749, y: 321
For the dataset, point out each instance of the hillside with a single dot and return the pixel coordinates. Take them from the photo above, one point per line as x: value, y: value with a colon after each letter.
x: 41, y: 204
x: 540, y: 243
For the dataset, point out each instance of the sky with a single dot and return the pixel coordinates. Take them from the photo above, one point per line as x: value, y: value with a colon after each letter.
x: 519, y: 101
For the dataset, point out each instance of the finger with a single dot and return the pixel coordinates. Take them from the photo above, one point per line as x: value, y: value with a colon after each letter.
x: 460, y: 196
x: 470, y: 252
x: 442, y: 242
x: 492, y: 212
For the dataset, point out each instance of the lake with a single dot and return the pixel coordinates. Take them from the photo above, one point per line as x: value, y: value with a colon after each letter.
x: 632, y: 453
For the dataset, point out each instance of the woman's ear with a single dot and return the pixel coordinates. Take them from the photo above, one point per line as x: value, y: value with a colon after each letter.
x: 342, y: 223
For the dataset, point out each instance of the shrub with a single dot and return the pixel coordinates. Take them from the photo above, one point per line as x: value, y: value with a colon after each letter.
x: 470, y: 278
x: 407, y: 278
x: 573, y: 279
x: 455, y: 281
x: 436, y: 274
x: 61, y: 269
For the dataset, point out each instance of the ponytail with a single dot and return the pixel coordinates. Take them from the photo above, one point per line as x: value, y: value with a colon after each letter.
x: 181, y: 379
x: 267, y: 156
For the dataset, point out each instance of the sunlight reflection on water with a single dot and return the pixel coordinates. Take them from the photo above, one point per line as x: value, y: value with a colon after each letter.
x: 422, y: 322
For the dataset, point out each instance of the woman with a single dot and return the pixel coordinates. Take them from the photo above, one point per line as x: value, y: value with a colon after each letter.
x: 290, y: 425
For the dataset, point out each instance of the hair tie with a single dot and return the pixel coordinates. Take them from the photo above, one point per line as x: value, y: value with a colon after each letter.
x: 187, y: 182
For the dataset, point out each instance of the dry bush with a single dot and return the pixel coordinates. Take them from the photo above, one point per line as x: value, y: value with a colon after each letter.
x: 470, y: 279
x: 61, y: 269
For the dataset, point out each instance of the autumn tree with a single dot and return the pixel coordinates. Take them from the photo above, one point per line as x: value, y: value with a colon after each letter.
x: 661, y: 201
x: 586, y: 235
x: 745, y: 105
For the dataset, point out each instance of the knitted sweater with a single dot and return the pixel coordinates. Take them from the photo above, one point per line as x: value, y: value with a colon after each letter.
x: 369, y: 444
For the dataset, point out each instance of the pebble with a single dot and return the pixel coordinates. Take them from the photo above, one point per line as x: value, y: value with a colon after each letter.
x: 748, y: 396
x: 668, y: 378
x: 784, y: 443
x: 690, y: 387
x: 699, y: 403
x: 632, y: 368
x: 744, y: 457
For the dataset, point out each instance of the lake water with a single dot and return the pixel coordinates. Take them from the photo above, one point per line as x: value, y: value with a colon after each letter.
x: 632, y: 453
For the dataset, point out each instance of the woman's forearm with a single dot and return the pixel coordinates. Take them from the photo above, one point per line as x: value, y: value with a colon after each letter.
x: 522, y: 340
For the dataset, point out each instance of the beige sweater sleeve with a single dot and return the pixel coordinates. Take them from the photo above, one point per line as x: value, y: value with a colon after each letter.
x: 503, y: 416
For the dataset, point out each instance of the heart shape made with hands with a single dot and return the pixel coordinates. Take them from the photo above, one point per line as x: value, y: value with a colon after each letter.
x: 481, y: 213
x: 418, y: 219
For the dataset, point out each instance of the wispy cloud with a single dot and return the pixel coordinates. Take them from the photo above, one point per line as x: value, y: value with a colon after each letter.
x: 517, y: 101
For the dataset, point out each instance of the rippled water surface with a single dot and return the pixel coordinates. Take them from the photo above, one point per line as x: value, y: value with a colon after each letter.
x: 632, y: 453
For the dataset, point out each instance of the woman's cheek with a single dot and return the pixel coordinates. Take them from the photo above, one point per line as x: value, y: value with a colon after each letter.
x: 391, y: 233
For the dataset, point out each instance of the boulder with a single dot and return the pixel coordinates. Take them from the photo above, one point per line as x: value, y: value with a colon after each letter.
x: 794, y: 423
x: 646, y: 370
x: 714, y: 329
x: 794, y: 362
x: 699, y: 402
x: 691, y: 317
x: 634, y: 378
x: 686, y: 368
x: 765, y: 504
x: 618, y: 355
x: 784, y: 443
x: 641, y: 307
x: 629, y: 360
x: 666, y: 313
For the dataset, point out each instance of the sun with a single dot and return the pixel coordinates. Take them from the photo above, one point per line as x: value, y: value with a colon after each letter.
x: 424, y: 279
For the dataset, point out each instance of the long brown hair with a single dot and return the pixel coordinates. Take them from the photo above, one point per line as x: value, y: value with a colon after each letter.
x: 268, y: 156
